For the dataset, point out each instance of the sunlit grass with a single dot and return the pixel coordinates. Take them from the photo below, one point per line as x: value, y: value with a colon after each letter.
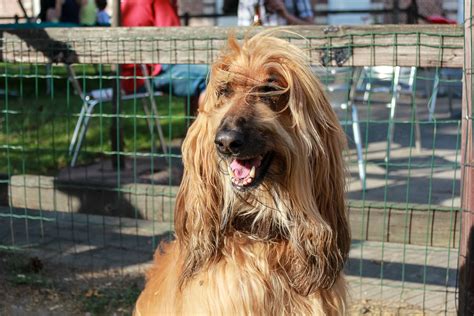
x: 36, y: 126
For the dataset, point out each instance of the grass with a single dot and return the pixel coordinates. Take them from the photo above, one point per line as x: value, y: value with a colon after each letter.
x: 36, y: 126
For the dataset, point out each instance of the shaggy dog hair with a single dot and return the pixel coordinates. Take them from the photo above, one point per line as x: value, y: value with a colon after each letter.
x: 261, y: 223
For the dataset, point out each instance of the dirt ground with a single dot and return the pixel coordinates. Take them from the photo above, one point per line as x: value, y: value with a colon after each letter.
x: 31, y: 286
x: 368, y: 307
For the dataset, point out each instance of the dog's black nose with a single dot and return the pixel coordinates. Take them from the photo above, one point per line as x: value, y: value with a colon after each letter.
x: 229, y: 142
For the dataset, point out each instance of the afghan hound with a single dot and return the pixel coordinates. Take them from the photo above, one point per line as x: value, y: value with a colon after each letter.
x: 260, y: 217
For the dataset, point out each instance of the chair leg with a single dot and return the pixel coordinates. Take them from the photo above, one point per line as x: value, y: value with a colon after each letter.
x: 149, y: 123
x: 417, y: 125
x: 154, y: 109
x: 82, y: 133
x: 393, y: 105
x: 365, y: 72
x: 84, y: 116
x: 417, y: 129
x: 77, y: 128
x: 434, y: 96
x: 358, y: 142
x: 411, y: 82
x: 355, y: 81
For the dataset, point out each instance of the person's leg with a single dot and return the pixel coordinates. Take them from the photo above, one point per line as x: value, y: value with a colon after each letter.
x: 187, y: 81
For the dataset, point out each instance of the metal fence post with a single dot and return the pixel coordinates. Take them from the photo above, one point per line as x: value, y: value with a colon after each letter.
x: 466, y: 256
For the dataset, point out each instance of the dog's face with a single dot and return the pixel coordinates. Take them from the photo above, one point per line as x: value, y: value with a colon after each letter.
x: 253, y: 107
x: 257, y: 101
x: 264, y: 160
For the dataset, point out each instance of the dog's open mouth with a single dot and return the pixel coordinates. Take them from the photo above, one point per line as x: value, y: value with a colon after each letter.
x: 247, y: 173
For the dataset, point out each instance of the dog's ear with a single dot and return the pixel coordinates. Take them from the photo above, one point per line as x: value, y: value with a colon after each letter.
x: 320, y: 240
x: 198, y: 201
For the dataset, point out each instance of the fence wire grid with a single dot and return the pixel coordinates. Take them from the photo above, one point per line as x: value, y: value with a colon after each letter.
x: 397, y: 92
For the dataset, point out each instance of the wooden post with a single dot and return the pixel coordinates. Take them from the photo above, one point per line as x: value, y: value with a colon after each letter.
x: 396, y: 12
x: 116, y: 129
x: 116, y: 14
x: 466, y: 256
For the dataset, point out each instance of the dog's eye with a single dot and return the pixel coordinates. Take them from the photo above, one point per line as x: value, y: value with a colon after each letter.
x: 268, y: 88
x: 270, y: 94
x: 224, y: 91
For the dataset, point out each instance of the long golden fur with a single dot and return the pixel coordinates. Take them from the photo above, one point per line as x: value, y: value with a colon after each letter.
x: 273, y: 243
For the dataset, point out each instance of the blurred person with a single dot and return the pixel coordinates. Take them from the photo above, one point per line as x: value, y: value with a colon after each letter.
x: 180, y: 80
x: 230, y: 7
x: 47, y: 11
x: 275, y: 12
x: 102, y: 17
x: 68, y: 11
x: 88, y: 13
x: 424, y: 8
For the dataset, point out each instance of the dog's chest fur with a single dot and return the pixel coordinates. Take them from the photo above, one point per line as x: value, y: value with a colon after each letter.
x: 242, y: 282
x: 262, y: 215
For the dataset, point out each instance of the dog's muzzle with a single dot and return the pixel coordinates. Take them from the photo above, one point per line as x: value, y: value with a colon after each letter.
x: 230, y: 142
x: 247, y: 162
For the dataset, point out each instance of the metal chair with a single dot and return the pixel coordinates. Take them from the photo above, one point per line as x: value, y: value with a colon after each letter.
x: 368, y: 80
x: 90, y: 100
x: 347, y: 87
x: 393, y: 80
x: 449, y: 81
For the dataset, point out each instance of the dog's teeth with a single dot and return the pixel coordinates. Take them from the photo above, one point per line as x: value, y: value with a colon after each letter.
x: 252, y: 172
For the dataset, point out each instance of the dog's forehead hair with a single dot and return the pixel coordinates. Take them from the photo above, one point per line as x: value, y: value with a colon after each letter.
x: 248, y: 76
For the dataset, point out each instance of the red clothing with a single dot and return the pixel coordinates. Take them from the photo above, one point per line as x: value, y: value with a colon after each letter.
x: 145, y: 13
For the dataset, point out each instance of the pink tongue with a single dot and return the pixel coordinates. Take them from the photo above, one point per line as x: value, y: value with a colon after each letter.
x: 241, y: 169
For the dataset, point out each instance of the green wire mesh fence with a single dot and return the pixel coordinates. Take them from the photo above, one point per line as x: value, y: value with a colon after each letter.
x: 396, y: 89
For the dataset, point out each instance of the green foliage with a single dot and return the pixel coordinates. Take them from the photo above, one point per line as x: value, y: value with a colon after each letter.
x: 36, y: 126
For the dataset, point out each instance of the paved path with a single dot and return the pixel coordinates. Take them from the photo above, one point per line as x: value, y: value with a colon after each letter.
x: 420, y: 277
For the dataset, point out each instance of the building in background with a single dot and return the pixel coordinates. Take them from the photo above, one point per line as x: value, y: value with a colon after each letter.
x: 11, y: 8
x: 449, y: 8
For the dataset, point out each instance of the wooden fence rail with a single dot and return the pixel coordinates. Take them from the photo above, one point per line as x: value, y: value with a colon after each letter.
x: 375, y: 45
